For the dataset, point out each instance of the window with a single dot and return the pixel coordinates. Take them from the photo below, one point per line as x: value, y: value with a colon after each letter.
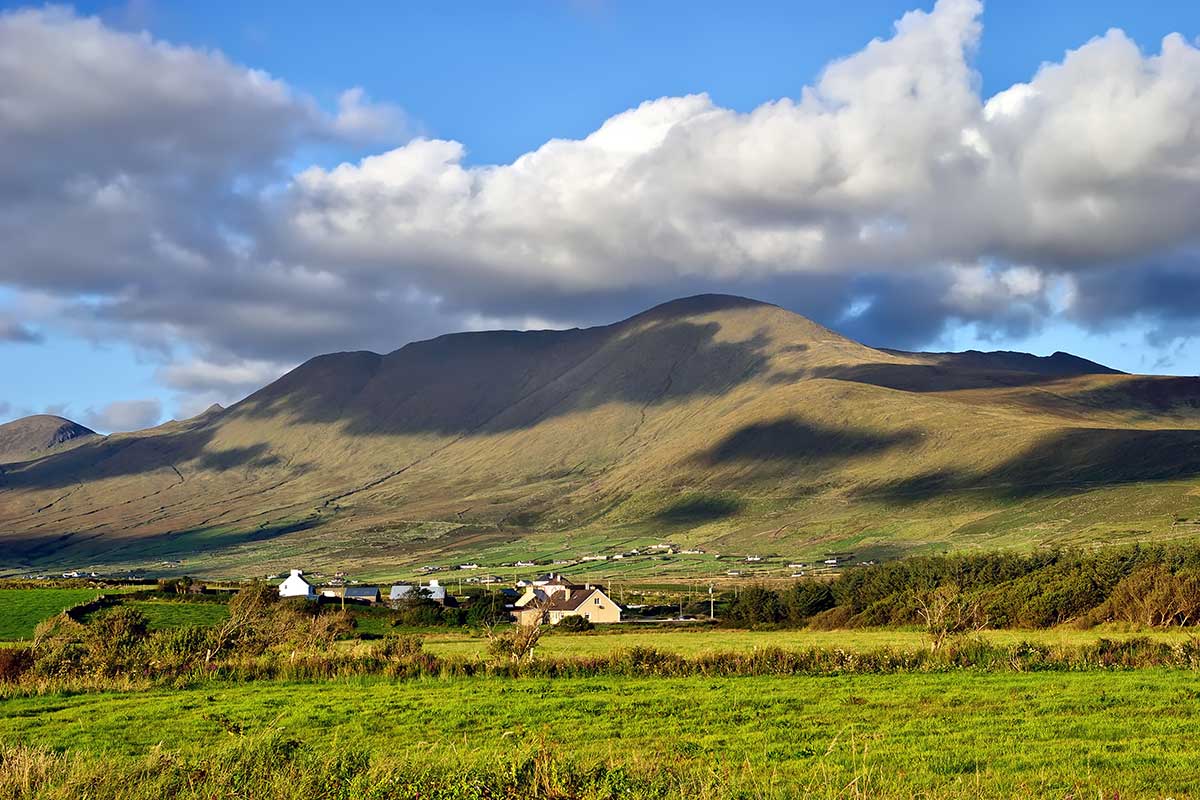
x: 596, y: 601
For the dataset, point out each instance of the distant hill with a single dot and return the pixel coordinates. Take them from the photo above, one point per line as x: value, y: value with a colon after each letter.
x: 33, y: 437
x: 722, y: 423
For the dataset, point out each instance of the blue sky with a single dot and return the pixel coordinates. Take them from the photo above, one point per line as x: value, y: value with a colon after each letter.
x: 503, y: 79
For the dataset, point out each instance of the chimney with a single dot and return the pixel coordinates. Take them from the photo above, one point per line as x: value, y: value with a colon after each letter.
x: 296, y: 573
x: 433, y: 583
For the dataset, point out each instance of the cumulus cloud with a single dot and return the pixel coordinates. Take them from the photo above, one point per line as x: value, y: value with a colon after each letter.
x: 146, y: 187
x: 124, y: 415
x: 892, y: 164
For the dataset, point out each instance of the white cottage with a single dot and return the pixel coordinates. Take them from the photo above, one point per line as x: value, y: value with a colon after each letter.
x: 295, y: 586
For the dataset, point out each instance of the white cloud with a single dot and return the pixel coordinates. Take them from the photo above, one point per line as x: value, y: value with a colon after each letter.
x: 359, y: 119
x: 145, y: 189
x: 124, y: 415
x: 892, y: 161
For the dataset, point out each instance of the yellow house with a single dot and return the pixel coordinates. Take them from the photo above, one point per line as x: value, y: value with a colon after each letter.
x: 555, y: 598
x: 589, y: 602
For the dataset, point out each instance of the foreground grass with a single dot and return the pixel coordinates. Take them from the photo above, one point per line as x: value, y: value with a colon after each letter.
x: 940, y: 735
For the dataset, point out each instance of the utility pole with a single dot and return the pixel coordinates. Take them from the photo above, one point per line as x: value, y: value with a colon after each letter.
x: 711, y: 615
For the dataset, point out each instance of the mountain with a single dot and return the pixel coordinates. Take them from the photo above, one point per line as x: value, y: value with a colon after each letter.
x: 714, y: 421
x: 33, y: 437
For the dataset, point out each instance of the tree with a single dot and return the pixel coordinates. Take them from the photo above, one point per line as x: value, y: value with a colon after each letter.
x: 247, y: 609
x: 756, y: 605
x: 1154, y: 596
x: 807, y: 599
x: 517, y: 641
x: 947, y: 612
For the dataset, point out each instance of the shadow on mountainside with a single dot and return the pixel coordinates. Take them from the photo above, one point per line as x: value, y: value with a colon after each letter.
x: 698, y: 509
x: 1152, y: 395
x: 796, y: 440
x: 183, y: 545
x: 495, y: 382
x: 133, y: 454
x: 923, y: 378
x: 1074, y: 460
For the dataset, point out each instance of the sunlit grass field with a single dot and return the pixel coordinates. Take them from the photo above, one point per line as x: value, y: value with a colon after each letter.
x: 716, y: 640
x: 1095, y: 734
x: 170, y: 614
x: 22, y: 609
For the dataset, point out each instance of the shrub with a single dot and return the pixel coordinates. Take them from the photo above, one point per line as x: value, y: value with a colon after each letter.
x: 393, y: 647
x: 113, y: 637
x: 574, y: 624
x: 14, y: 662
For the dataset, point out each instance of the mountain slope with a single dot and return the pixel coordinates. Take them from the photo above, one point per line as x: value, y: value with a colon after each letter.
x: 719, y: 421
x: 33, y: 437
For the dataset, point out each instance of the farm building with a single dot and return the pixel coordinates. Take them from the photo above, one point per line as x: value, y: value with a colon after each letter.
x: 433, y: 591
x: 362, y: 594
x: 294, y: 585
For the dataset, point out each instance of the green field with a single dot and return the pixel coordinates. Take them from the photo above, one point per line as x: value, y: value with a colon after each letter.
x: 1129, y: 734
x: 177, y: 614
x: 22, y: 609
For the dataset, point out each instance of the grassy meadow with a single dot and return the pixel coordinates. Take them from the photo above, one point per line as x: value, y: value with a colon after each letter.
x: 1127, y: 734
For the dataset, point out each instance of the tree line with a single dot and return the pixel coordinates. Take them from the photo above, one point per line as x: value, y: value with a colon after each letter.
x: 1147, y: 585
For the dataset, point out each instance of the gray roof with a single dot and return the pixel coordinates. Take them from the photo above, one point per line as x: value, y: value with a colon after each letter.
x: 403, y: 590
x: 361, y: 591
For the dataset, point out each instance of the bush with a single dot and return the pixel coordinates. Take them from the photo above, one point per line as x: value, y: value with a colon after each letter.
x: 418, y: 612
x: 574, y: 624
x: 113, y: 638
x: 487, y: 610
x: 399, y: 647
x: 14, y: 662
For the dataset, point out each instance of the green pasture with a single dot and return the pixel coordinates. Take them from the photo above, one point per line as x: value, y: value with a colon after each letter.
x: 22, y: 609
x: 179, y: 614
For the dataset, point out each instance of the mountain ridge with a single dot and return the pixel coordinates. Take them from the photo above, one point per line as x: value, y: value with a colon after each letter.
x: 713, y: 419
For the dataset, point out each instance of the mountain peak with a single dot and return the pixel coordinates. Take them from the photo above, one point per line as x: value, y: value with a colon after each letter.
x: 31, y: 437
x: 701, y: 304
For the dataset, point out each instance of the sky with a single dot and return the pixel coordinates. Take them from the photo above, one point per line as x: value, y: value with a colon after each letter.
x: 195, y: 198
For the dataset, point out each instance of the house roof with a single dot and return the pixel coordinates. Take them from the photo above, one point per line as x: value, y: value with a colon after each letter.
x: 361, y: 591
x: 554, y: 579
x: 573, y: 600
x: 403, y: 590
x: 296, y: 576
